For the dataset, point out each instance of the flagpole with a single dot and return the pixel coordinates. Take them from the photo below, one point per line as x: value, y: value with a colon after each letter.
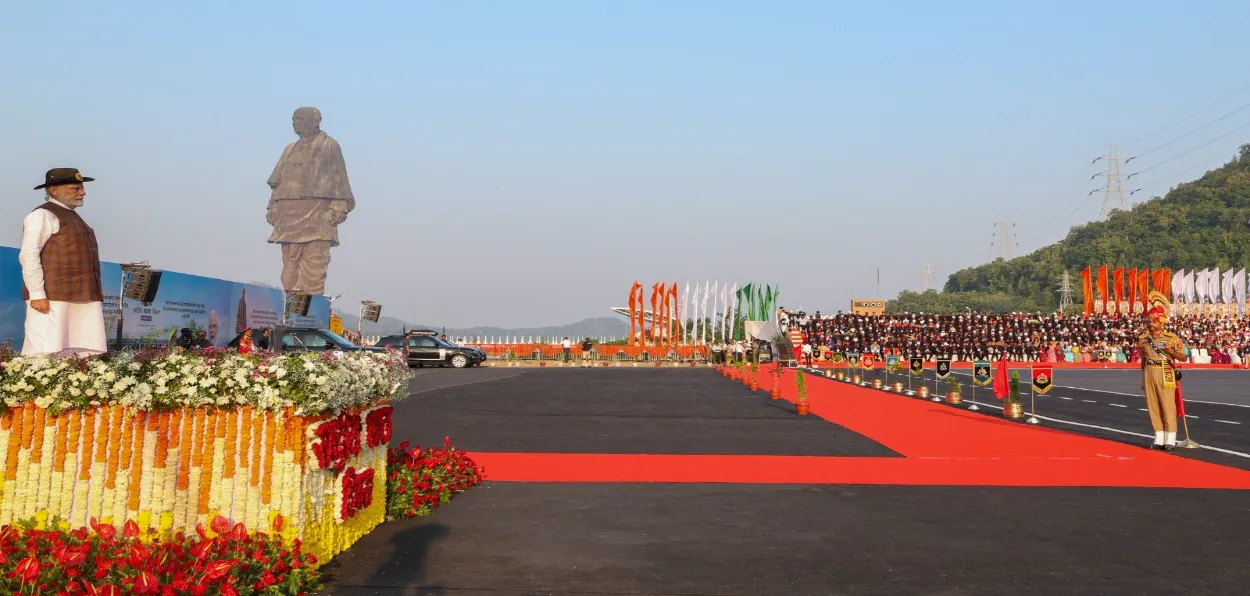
x: 1189, y: 443
x: 974, y: 407
x: 1033, y: 399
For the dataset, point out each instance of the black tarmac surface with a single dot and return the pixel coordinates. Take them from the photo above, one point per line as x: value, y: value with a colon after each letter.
x: 678, y: 412
x: 512, y: 539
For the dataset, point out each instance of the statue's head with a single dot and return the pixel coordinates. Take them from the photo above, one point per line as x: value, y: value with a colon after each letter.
x: 306, y: 122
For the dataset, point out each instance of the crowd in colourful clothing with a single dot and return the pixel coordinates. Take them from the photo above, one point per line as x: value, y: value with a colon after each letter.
x: 1023, y: 337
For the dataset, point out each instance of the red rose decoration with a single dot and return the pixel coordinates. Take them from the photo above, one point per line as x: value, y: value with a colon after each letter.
x: 357, y: 492
x: 338, y: 440
x: 378, y: 426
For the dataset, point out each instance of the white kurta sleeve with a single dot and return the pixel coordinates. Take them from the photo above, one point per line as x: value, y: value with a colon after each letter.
x: 40, y: 225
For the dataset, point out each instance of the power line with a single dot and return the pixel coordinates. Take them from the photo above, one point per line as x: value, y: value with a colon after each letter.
x: 1226, y: 98
x: 1190, y: 133
x: 1184, y: 153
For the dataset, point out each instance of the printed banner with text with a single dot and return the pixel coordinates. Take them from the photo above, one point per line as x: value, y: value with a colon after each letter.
x: 220, y: 308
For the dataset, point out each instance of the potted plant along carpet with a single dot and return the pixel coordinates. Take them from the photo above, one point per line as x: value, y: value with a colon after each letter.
x: 1013, y: 408
x: 755, y: 371
x: 953, y: 394
x: 800, y: 385
x: 775, y: 392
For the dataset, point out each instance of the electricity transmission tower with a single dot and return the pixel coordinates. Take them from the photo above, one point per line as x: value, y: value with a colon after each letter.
x: 1005, y: 240
x: 1065, y: 292
x: 1113, y: 188
x: 928, y: 277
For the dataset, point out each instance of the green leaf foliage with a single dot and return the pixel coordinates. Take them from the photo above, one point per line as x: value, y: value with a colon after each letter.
x: 1196, y: 225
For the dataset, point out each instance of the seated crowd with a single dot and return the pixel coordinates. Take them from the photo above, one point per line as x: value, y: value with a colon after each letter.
x: 1035, y: 337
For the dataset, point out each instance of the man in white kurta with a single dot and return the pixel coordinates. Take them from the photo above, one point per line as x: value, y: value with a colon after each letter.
x: 61, y: 272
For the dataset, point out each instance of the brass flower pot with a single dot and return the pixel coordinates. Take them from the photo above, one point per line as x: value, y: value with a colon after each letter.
x: 898, y: 387
x: 840, y: 375
x: 855, y: 379
x: 953, y: 398
x: 876, y: 383
x: 923, y: 392
x: 1013, y: 410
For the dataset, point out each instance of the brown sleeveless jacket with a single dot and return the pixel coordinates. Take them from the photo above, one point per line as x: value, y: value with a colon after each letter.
x: 71, y: 260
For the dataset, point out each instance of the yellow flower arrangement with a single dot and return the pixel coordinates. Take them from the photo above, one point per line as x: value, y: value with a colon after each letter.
x: 175, y: 470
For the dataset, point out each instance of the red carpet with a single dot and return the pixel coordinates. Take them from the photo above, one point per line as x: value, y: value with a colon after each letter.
x: 942, y: 445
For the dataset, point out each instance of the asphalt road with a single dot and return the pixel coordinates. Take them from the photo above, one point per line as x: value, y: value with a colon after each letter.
x: 1110, y: 404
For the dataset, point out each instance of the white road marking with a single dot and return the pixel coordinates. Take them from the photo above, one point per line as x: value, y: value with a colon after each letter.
x: 1191, y: 416
x: 1225, y: 421
x: 1089, y: 401
x: 1187, y: 400
x: 1142, y: 410
x: 1125, y: 432
x: 1062, y: 397
x: 1118, y: 405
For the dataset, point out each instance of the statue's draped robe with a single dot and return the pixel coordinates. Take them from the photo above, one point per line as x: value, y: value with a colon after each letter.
x: 309, y: 182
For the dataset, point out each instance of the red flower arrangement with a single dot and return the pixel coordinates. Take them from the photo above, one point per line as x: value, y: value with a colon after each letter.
x: 378, y: 426
x: 96, y: 561
x: 357, y: 492
x: 418, y: 480
x: 338, y: 439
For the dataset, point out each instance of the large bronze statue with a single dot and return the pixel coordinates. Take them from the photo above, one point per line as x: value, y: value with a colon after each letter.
x: 311, y: 197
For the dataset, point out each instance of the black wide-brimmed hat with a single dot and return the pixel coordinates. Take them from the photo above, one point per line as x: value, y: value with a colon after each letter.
x: 59, y: 176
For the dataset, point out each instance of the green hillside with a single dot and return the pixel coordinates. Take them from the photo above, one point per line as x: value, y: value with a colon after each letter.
x: 1196, y: 225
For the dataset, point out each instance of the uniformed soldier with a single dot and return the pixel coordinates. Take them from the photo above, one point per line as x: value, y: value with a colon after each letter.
x: 1158, y: 349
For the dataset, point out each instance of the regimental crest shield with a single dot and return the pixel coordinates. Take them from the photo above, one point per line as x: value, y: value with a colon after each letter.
x: 868, y: 361
x: 943, y: 368
x: 890, y: 361
x: 852, y: 359
x: 981, y: 374
x: 1043, y: 379
x: 916, y: 366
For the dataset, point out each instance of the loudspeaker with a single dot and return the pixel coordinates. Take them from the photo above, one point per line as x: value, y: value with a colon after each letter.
x: 141, y: 285
x: 297, y: 304
x: 372, y: 312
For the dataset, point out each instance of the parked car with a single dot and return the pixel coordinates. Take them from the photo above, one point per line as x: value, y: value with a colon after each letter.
x: 427, y: 348
x: 296, y: 339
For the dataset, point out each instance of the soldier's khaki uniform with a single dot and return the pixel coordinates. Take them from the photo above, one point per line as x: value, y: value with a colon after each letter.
x: 1159, y: 384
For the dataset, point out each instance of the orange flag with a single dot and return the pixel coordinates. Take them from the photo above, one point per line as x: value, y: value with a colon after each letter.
x: 655, y: 308
x: 633, y: 312
x: 1163, y: 282
x: 1143, y: 287
x: 1117, y: 290
x: 1102, y: 289
x: 1087, y: 289
x: 1132, y: 288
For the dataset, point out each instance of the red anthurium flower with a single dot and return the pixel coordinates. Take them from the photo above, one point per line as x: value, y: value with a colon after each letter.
x: 277, y: 523
x: 217, y: 570
x: 27, y: 569
x: 131, y: 529
x: 146, y: 584
x: 219, y: 525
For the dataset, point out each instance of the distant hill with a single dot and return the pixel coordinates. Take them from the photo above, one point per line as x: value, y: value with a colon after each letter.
x: 1198, y: 224
x: 593, y: 327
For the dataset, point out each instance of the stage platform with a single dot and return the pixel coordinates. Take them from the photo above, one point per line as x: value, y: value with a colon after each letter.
x: 679, y: 481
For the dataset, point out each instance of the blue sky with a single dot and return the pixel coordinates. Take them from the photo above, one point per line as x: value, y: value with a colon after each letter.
x: 521, y: 163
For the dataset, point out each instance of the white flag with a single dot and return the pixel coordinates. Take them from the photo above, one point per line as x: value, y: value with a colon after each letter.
x: 1178, y: 286
x: 1213, y: 285
x: 1200, y: 286
x: 724, y: 308
x: 1239, y: 289
x: 1226, y: 286
x: 702, y: 317
x: 685, y: 314
x: 733, y: 309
